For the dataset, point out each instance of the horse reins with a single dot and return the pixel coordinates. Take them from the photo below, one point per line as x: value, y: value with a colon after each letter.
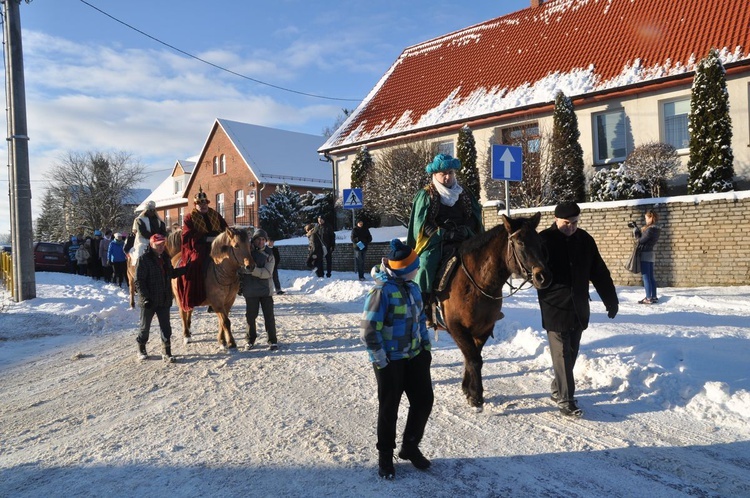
x: 512, y: 255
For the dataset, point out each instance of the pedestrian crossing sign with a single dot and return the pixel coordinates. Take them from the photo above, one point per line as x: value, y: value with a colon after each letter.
x: 352, y: 198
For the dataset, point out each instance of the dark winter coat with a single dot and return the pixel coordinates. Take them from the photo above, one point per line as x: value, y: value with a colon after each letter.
x: 647, y: 239
x: 327, y: 236
x: 276, y: 257
x: 574, y: 262
x: 152, y: 278
x: 361, y: 234
x: 259, y: 282
x: 314, y: 248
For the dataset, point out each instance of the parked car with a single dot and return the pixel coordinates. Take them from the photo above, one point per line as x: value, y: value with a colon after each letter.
x: 5, y: 248
x: 50, y: 256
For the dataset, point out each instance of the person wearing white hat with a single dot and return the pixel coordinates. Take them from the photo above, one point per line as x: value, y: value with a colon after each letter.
x: 144, y: 226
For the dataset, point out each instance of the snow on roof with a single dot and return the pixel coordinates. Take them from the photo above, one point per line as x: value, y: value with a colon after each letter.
x: 165, y: 195
x: 524, y: 58
x: 279, y: 156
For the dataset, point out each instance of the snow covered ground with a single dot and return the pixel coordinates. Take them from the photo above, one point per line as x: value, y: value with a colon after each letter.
x: 666, y: 390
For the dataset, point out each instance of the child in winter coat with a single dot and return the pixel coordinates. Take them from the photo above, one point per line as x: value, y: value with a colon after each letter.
x: 395, y: 334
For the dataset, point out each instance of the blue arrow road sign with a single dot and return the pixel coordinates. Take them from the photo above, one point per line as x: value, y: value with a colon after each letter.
x: 507, y: 163
x: 352, y: 198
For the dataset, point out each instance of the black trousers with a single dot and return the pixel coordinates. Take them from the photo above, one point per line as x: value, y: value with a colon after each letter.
x: 252, y: 306
x: 147, y: 315
x: 359, y: 262
x: 563, y: 347
x: 413, y: 378
x: 329, y: 262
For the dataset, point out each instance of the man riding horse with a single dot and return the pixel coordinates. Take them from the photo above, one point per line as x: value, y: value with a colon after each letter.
x: 443, y: 215
x: 199, y: 228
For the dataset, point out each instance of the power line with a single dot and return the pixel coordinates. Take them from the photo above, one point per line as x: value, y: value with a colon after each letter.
x: 221, y: 68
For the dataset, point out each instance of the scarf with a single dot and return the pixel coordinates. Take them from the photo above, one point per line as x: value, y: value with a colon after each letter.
x: 448, y: 196
x: 199, y: 224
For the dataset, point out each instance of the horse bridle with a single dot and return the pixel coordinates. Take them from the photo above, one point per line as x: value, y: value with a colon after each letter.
x: 512, y: 255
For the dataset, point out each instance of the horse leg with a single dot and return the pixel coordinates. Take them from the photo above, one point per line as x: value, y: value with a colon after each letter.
x: 225, y: 330
x: 186, y: 317
x: 472, y: 380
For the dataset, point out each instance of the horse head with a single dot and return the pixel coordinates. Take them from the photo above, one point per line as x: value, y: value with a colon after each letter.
x: 526, y: 255
x: 232, y: 244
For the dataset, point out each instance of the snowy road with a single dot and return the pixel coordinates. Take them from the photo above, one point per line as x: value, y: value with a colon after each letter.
x: 82, y: 417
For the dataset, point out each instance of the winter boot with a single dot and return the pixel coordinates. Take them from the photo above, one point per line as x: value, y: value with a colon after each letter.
x: 385, y: 465
x: 410, y: 451
x: 166, y: 352
x: 142, y: 352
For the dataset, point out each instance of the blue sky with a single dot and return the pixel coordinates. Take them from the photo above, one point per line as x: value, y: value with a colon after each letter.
x: 93, y: 83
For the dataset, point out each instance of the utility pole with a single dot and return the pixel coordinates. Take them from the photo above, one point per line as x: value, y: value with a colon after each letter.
x: 24, y: 278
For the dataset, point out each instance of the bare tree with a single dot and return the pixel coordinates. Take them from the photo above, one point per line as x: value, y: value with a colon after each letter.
x: 652, y: 164
x: 396, y: 176
x: 91, y: 188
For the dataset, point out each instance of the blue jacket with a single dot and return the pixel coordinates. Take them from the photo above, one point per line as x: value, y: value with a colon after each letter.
x: 116, y: 253
x: 393, y: 322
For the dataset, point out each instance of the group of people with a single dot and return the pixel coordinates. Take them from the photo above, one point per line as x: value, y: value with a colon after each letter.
x: 321, y: 243
x: 154, y: 271
x: 394, y: 322
x: 101, y: 256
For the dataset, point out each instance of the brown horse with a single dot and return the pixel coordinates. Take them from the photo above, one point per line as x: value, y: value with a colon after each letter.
x: 471, y: 302
x: 173, y: 247
x: 230, y: 250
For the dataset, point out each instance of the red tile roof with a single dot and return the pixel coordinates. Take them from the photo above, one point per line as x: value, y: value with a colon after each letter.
x: 577, y: 46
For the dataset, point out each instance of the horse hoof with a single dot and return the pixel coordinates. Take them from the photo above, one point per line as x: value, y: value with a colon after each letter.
x: 478, y: 409
x: 187, y: 340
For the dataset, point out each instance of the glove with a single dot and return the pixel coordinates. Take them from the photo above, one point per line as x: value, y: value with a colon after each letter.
x: 148, y: 304
x: 612, y: 310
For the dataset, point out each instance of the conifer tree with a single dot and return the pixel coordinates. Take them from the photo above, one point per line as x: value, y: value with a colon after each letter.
x: 565, y: 169
x: 466, y: 152
x: 361, y: 165
x: 280, y: 216
x: 710, y: 167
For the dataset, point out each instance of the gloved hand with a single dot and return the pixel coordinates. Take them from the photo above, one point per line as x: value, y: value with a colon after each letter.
x: 148, y: 304
x: 612, y: 310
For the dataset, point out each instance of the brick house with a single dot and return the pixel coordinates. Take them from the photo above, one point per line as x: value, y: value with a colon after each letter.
x: 239, y: 165
x: 627, y: 65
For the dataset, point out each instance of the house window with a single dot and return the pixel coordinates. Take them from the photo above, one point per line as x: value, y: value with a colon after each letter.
x: 220, y: 203
x: 216, y: 165
x: 610, y: 141
x: 178, y: 186
x: 223, y: 166
x: 239, y: 203
x: 525, y: 136
x: 675, y: 123
x: 180, y: 215
x: 167, y: 219
x: 445, y: 148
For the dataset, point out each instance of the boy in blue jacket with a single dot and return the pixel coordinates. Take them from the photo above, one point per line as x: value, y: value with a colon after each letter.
x: 395, y: 334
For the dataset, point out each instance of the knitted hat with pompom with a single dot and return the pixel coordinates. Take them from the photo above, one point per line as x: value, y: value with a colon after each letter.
x: 402, y: 259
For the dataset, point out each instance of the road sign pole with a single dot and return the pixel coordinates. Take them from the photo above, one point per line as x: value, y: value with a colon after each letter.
x: 507, y: 197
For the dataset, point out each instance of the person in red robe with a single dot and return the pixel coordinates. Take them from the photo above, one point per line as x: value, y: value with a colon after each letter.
x: 199, y: 228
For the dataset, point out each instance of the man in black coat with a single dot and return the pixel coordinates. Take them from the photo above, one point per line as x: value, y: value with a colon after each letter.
x: 328, y: 237
x: 153, y: 275
x: 574, y: 261
x: 361, y: 238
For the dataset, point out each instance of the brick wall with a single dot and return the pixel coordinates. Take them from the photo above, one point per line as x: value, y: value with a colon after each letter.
x: 294, y: 257
x: 705, y: 239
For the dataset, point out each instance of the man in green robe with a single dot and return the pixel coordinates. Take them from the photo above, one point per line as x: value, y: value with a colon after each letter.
x: 443, y: 215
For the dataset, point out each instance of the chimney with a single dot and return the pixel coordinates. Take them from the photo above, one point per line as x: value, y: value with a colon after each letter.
x: 536, y: 3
